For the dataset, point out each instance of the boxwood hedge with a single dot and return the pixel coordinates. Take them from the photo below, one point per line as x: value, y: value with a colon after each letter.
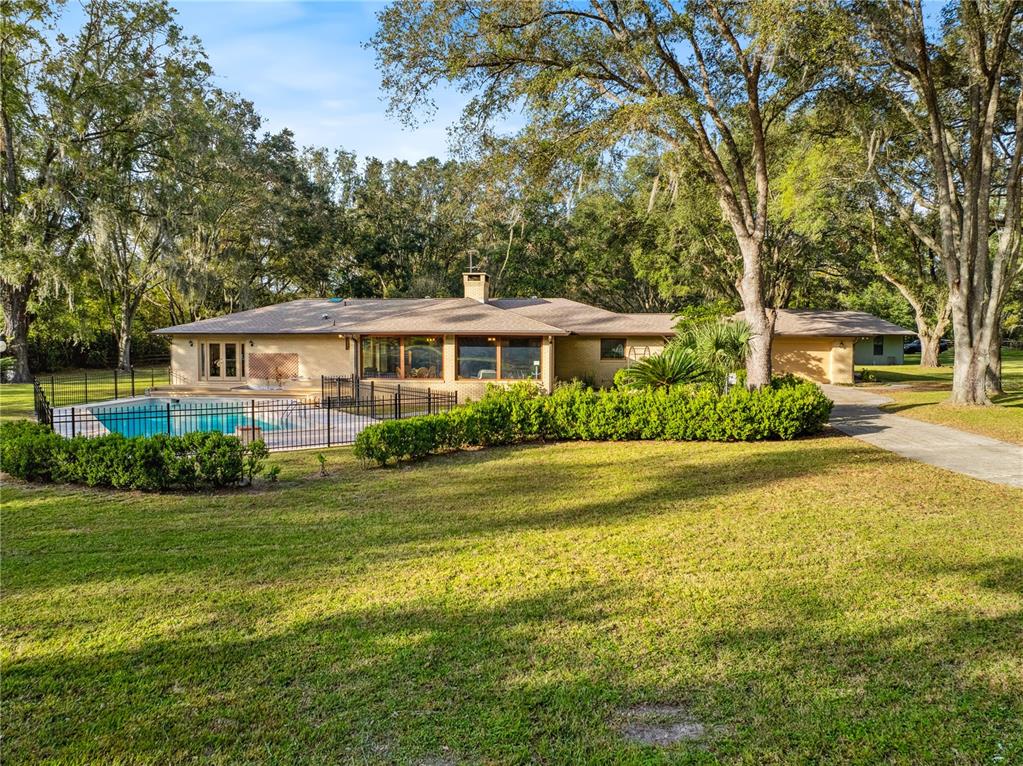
x: 193, y: 461
x: 785, y: 410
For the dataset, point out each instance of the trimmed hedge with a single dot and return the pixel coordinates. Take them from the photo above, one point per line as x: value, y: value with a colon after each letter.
x: 787, y: 409
x: 193, y: 461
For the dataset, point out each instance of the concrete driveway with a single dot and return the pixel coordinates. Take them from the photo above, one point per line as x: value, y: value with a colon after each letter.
x: 856, y: 413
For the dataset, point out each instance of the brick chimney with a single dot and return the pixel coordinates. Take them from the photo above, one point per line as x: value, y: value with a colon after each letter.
x: 476, y: 285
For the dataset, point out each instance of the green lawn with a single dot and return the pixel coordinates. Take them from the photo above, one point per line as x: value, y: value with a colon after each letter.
x: 926, y: 392
x: 16, y: 401
x: 817, y: 601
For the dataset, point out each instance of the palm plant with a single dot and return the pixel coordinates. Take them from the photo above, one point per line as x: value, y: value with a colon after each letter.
x: 676, y: 364
x: 721, y: 346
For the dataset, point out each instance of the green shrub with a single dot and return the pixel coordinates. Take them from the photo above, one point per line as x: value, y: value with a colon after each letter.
x: 787, y: 409
x: 27, y: 450
x: 197, y: 460
x: 676, y: 364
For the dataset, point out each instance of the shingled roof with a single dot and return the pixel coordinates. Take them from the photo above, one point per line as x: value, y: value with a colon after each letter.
x: 833, y: 323
x: 583, y: 319
x: 505, y: 316
x: 401, y: 316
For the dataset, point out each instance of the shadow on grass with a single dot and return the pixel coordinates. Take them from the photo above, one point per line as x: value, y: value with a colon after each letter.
x: 539, y: 679
x: 374, y: 515
x: 1010, y: 401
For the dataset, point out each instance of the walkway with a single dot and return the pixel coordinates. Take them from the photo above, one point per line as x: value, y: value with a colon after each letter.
x: 856, y: 413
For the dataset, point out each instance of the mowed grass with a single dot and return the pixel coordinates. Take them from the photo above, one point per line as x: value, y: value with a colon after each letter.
x: 816, y: 601
x: 927, y: 389
x: 16, y: 400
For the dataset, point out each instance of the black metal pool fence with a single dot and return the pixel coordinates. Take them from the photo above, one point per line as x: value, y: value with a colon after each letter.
x: 282, y: 423
x: 84, y: 386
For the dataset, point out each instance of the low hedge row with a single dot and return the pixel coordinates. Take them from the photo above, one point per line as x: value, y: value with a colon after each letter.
x: 787, y: 409
x: 194, y: 461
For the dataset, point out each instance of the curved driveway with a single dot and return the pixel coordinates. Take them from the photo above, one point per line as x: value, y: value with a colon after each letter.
x: 856, y: 413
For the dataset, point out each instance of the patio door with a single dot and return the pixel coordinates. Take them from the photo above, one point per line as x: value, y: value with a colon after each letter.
x: 224, y: 361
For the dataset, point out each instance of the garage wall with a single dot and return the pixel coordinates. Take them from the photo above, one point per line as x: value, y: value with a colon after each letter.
x: 820, y: 359
x: 892, y: 350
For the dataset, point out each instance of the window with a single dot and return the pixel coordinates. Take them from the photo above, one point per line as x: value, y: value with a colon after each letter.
x: 230, y: 361
x: 520, y: 359
x: 381, y: 357
x: 878, y: 345
x: 481, y: 358
x: 215, y: 370
x: 423, y: 357
x: 612, y: 348
x: 477, y: 358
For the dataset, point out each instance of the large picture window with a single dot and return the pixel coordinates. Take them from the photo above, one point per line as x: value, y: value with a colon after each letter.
x: 414, y: 356
x: 520, y: 359
x: 381, y: 357
x: 423, y: 357
x: 477, y: 358
x: 483, y: 358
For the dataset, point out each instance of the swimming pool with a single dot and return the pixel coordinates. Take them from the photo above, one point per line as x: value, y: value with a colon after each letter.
x: 148, y: 417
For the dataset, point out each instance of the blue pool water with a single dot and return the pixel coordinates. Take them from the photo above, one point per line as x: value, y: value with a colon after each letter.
x: 152, y: 416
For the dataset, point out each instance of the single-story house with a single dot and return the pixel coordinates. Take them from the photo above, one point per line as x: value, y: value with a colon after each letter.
x: 464, y: 343
x: 442, y: 343
x: 824, y: 345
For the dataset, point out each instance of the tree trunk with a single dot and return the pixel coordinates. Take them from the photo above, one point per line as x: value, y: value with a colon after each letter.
x: 994, y: 363
x: 14, y: 300
x: 124, y: 335
x: 969, y: 367
x: 930, y: 348
x: 750, y: 286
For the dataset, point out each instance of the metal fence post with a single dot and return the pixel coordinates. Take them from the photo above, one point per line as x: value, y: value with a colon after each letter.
x: 169, y: 430
x: 397, y: 403
x: 328, y: 422
x: 372, y: 401
x: 51, y: 389
x: 429, y: 402
x: 72, y: 421
x: 133, y: 381
x: 115, y: 384
x: 252, y: 415
x: 86, y: 385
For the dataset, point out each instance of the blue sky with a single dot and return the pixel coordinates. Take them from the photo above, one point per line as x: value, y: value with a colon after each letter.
x: 305, y: 68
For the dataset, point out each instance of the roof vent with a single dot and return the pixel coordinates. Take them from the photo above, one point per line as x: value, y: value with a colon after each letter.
x: 325, y: 317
